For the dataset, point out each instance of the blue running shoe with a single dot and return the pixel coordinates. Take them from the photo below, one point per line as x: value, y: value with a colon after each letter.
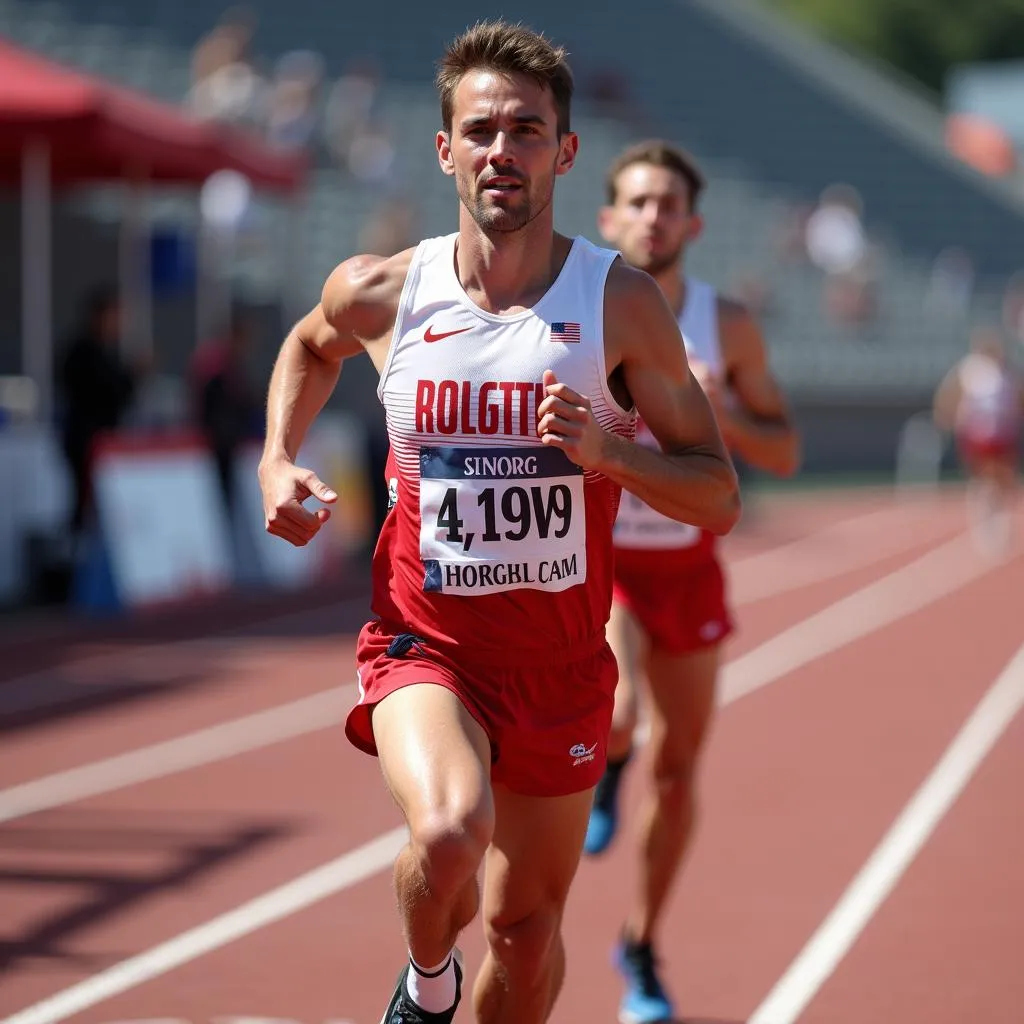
x: 600, y: 831
x: 645, y: 1000
x: 604, y: 815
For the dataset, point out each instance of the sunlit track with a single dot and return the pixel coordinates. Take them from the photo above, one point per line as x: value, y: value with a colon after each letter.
x: 256, y: 884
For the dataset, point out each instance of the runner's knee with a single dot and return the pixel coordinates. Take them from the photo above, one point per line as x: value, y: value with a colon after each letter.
x: 675, y: 773
x: 524, y: 946
x: 449, y: 842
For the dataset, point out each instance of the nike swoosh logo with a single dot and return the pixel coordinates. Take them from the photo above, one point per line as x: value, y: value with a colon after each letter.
x: 428, y: 334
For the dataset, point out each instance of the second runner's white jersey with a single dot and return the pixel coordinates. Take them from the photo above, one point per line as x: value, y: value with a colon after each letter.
x: 638, y: 526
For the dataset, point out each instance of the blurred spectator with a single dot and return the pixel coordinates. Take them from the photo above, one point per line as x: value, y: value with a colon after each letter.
x: 834, y: 234
x: 791, y: 233
x: 292, y: 100
x: 225, y: 406
x: 371, y: 157
x: 837, y: 244
x: 225, y: 83
x: 355, y: 134
x: 351, y: 109
x: 951, y: 284
x: 225, y: 44
x: 95, y: 389
x: 851, y: 298
x: 390, y: 229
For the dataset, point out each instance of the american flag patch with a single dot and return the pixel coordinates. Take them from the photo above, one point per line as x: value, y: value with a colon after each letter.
x: 565, y: 332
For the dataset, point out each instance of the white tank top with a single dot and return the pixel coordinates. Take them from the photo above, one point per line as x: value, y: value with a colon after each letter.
x: 638, y: 526
x: 990, y: 405
x: 484, y: 508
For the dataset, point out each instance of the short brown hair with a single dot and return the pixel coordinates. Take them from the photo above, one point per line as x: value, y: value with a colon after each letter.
x: 508, y: 49
x: 658, y: 153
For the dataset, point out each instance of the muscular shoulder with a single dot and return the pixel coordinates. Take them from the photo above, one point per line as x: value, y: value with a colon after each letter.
x: 363, y: 292
x: 638, y: 320
x: 629, y: 289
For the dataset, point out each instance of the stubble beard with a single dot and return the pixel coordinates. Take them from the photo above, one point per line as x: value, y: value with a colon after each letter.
x: 493, y: 219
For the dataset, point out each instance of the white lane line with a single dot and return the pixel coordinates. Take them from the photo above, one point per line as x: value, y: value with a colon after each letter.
x: 834, y: 550
x: 146, y: 966
x: 252, y: 732
x: 205, y: 746
x: 347, y: 870
x: 838, y: 624
x: 908, y: 589
x: 897, y: 850
x: 37, y: 689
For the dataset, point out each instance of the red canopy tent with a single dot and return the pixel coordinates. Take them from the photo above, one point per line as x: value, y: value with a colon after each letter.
x: 95, y: 130
x: 59, y: 127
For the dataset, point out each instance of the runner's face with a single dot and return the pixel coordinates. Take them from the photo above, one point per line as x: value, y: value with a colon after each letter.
x: 504, y: 150
x: 650, y: 221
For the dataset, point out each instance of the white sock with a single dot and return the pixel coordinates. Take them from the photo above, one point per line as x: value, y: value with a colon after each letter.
x: 432, y: 988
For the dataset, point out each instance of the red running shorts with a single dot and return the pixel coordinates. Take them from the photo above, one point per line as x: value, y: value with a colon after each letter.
x: 548, y: 725
x: 681, y: 610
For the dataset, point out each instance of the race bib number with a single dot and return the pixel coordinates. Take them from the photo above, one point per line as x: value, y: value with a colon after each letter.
x: 498, y: 519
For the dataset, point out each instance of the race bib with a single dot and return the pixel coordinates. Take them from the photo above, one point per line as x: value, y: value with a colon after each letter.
x: 637, y: 525
x: 498, y: 519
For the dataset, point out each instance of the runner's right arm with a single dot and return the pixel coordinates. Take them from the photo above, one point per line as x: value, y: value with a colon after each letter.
x: 356, y: 312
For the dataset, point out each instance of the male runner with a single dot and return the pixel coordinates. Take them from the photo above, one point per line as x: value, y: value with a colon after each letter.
x: 981, y: 402
x: 511, y: 359
x: 670, y: 614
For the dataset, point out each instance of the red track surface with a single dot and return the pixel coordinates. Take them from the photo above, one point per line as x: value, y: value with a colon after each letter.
x: 802, y: 780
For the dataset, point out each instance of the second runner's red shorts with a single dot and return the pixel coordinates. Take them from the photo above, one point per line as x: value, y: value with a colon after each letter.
x: 681, y: 609
x: 978, y: 449
x: 548, y: 725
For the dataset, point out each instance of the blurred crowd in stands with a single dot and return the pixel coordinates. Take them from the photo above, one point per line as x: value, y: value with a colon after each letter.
x: 296, y: 104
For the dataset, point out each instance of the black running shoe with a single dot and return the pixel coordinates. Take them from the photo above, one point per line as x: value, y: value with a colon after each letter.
x: 402, y: 1010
